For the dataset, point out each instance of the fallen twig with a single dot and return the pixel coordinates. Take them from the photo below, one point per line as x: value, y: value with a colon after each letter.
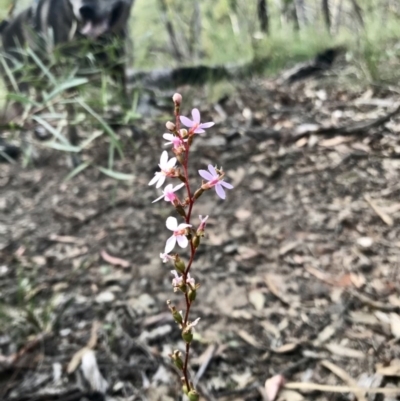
x: 301, y: 386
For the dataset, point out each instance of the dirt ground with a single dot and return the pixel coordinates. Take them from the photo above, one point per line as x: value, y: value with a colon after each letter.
x: 299, y: 270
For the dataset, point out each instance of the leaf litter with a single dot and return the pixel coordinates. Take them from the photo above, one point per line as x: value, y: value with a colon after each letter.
x: 300, y: 296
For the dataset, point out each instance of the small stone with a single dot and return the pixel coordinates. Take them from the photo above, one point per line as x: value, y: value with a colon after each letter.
x: 365, y: 242
x: 105, y: 297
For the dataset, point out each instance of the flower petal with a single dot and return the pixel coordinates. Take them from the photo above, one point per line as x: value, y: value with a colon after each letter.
x: 172, y: 224
x: 154, y: 179
x: 171, y: 163
x: 212, y: 170
x: 226, y: 184
x: 220, y: 191
x: 196, y: 115
x: 161, y: 180
x: 207, y: 125
x: 168, y: 137
x: 206, y: 175
x: 198, y: 130
x: 163, y: 158
x: 186, y: 121
x: 156, y: 200
x: 170, y: 244
x: 178, y: 187
x: 183, y: 226
x: 182, y: 241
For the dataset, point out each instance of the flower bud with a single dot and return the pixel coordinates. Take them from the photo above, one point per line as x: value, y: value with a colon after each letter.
x: 176, y: 358
x: 180, y: 210
x: 170, y: 126
x: 179, y: 265
x: 187, y: 336
x: 193, y: 395
x: 177, y: 316
x: 177, y: 98
x: 196, y: 241
x: 198, y: 193
x: 183, y: 133
x: 185, y: 389
x: 192, y: 295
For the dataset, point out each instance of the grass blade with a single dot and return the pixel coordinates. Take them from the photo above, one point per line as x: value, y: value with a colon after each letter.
x: 116, y: 175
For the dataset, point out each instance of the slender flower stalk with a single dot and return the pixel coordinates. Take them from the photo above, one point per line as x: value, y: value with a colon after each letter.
x: 183, y: 234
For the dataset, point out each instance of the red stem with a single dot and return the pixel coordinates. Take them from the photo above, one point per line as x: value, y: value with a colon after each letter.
x: 192, y: 248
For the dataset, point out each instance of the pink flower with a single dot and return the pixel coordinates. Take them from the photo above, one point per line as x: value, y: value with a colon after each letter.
x: 197, y: 127
x: 168, y: 193
x: 191, y: 325
x: 174, y: 140
x: 177, y: 281
x: 215, y: 180
x: 166, y: 167
x: 179, y: 234
x: 165, y: 257
x: 202, y: 225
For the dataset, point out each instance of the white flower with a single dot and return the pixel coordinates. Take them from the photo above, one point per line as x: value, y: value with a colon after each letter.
x: 179, y: 234
x: 166, y: 169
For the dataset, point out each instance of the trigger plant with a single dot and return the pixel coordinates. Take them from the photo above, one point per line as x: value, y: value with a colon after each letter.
x: 186, y: 232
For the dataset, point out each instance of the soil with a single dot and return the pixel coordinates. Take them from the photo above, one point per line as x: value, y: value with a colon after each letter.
x: 299, y: 268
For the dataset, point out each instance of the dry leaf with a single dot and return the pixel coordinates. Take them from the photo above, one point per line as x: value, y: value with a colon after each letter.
x: 273, y: 385
x: 257, y: 299
x: 392, y: 370
x: 112, y: 260
x: 92, y: 373
x: 286, y: 348
x: 249, y: 339
x: 339, y: 350
x: 395, y: 325
x: 342, y: 374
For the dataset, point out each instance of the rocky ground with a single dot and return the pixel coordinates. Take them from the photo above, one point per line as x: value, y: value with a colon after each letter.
x: 299, y: 269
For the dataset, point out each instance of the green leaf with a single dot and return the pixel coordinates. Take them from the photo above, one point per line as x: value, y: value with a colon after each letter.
x: 113, y: 137
x: 52, y: 130
x: 22, y: 99
x: 76, y: 171
x: 71, y: 83
x: 63, y: 147
x: 116, y: 175
x: 39, y: 63
x: 89, y: 140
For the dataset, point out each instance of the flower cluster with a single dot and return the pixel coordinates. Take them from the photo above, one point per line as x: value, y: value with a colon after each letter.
x: 183, y: 233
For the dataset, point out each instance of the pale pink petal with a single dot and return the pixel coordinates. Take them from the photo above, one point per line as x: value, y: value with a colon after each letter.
x: 183, y: 226
x: 156, y: 200
x: 172, y: 224
x: 171, y: 163
x: 207, y: 125
x: 182, y: 241
x: 154, y: 179
x: 273, y: 386
x: 170, y: 244
x: 226, y: 184
x: 168, y: 137
x: 220, y: 191
x: 212, y: 170
x: 168, y: 188
x: 163, y: 158
x: 161, y: 180
x: 198, y: 130
x: 178, y: 187
x: 196, y: 115
x: 186, y: 121
x: 206, y: 175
